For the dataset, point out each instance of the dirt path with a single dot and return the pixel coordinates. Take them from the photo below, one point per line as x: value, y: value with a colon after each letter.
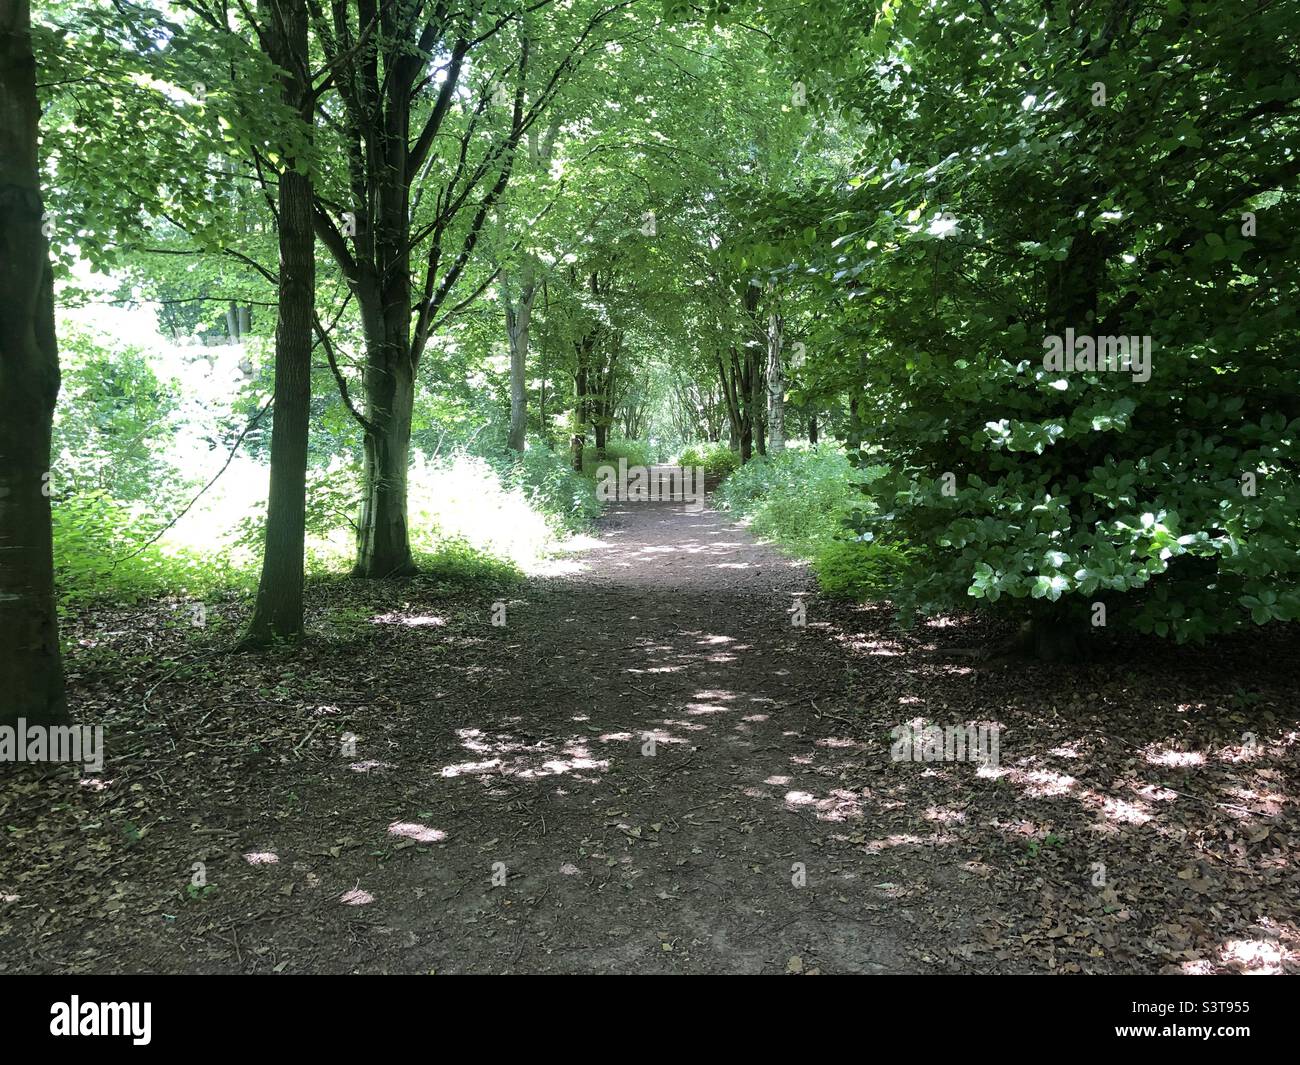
x: 427, y: 791
x: 663, y: 712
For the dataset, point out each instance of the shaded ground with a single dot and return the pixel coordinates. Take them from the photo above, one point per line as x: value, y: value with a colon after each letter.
x: 351, y: 805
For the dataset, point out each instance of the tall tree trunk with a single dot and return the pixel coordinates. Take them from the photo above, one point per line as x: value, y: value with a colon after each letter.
x: 754, y: 387
x: 31, y: 667
x: 604, y: 400
x: 278, y: 612
x: 545, y: 346
x: 541, y: 150
x: 812, y: 428
x: 388, y: 380
x: 581, y: 397
x: 518, y: 318
x: 383, y: 541
x: 729, y: 397
x: 775, y: 382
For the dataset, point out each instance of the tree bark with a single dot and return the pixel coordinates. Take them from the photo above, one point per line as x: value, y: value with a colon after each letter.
x: 277, y: 614
x: 755, y: 364
x: 581, y: 398
x: 518, y: 319
x: 775, y: 382
x: 31, y: 666
x: 383, y: 542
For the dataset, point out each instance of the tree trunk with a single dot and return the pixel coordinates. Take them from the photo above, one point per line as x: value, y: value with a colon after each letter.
x: 518, y: 318
x: 775, y: 383
x: 755, y: 364
x: 812, y: 429
x: 31, y: 667
x: 581, y: 400
x: 1049, y: 636
x: 278, y: 612
x: 383, y: 539
x: 383, y: 543
x: 729, y: 397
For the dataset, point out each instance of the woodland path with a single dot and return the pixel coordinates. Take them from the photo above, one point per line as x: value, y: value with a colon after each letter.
x: 516, y: 752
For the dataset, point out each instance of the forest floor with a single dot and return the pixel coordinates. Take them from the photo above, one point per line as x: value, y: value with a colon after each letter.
x: 419, y: 790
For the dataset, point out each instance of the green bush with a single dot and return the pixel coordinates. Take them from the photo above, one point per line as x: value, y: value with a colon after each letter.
x: 115, y: 422
x: 455, y: 561
x: 100, y: 553
x: 800, y: 499
x: 636, y: 452
x: 858, y: 569
x: 805, y: 501
x: 552, y: 486
x: 716, y: 458
x: 113, y: 482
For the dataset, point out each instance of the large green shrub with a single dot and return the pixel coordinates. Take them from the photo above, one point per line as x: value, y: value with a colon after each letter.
x: 1002, y: 208
x: 800, y: 499
x: 114, y: 423
x: 101, y: 553
x: 717, y: 459
x: 804, y: 501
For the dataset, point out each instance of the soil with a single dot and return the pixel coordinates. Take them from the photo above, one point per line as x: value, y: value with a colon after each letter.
x: 650, y: 767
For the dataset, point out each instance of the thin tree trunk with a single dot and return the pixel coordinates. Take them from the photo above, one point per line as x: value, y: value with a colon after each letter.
x: 754, y: 366
x: 518, y: 319
x: 31, y: 667
x: 541, y: 399
x: 855, y: 418
x: 581, y: 401
x: 278, y: 612
x: 775, y: 383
